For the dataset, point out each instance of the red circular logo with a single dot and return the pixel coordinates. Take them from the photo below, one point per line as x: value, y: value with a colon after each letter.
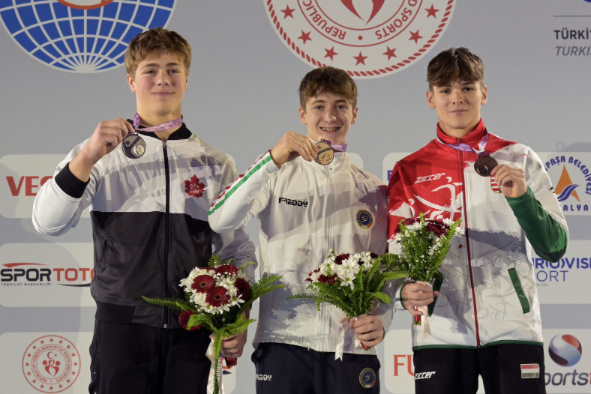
x: 85, y: 4
x: 51, y: 364
x: 368, y: 38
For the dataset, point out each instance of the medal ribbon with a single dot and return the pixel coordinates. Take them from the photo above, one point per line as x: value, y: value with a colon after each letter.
x: 171, y: 124
x: 480, y: 152
x: 335, y: 147
x: 467, y: 148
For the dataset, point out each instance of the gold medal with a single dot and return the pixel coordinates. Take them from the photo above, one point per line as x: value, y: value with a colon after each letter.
x: 325, y: 153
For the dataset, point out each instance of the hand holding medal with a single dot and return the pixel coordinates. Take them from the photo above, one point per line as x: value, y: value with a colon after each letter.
x: 105, y: 138
x: 292, y: 145
x: 511, y: 180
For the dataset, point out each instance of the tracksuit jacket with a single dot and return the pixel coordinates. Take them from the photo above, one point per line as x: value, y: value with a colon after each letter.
x: 149, y: 220
x: 305, y: 210
x: 488, y: 295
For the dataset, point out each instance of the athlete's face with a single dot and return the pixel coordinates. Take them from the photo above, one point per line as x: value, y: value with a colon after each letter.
x: 458, y: 106
x: 159, y: 83
x: 328, y: 116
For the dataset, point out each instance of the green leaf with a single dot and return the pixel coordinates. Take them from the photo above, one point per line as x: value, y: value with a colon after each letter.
x: 172, y: 303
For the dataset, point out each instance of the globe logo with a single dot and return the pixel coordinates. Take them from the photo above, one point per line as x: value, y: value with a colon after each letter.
x: 81, y: 36
x: 565, y: 350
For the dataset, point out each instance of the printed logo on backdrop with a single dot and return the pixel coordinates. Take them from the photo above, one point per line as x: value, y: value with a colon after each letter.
x: 46, y: 274
x: 571, y: 176
x: 572, y: 35
x: 21, y: 177
x: 367, y: 38
x: 81, y: 36
x: 51, y: 364
x: 565, y: 350
x: 560, y: 282
x: 568, y: 369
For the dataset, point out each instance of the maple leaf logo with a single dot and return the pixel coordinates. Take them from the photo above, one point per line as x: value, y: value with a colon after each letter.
x: 194, y: 187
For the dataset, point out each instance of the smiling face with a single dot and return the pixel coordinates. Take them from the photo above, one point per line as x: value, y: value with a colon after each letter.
x: 458, y: 106
x: 160, y: 82
x: 328, y: 116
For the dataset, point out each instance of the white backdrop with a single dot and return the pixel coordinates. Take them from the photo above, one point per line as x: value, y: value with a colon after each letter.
x: 248, y: 59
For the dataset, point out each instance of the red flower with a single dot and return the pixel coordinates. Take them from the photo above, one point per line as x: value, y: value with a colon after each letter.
x: 226, y: 269
x: 309, y: 279
x: 230, y: 362
x: 203, y: 283
x: 217, y: 296
x: 339, y: 259
x: 243, y: 288
x: 184, y: 320
x: 327, y: 279
x: 436, y: 227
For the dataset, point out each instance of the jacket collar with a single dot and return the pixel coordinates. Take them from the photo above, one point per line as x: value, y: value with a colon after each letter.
x: 472, y: 138
x: 182, y: 133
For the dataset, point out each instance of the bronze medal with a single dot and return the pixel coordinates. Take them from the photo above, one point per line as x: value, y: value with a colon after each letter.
x: 325, y: 154
x: 133, y: 146
x: 484, y: 164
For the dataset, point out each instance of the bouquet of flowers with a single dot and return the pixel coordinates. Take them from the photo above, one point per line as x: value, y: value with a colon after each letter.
x: 352, y: 283
x: 419, y: 246
x: 215, y: 298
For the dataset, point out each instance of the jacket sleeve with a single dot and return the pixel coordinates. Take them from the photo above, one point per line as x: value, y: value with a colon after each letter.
x: 379, y: 246
x: 539, y: 214
x: 234, y: 243
x: 398, y: 205
x: 61, y: 200
x: 398, y: 210
x: 244, y: 198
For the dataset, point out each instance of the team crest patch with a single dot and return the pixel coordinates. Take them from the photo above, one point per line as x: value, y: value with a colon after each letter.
x: 530, y: 371
x: 367, y: 378
x: 194, y: 187
x: 364, y: 218
x: 368, y: 39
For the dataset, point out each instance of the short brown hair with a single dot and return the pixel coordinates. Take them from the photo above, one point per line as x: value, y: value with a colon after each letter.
x: 153, y: 42
x: 327, y: 80
x: 455, y: 64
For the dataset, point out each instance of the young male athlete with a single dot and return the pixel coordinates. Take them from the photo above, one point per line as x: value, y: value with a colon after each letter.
x: 486, y: 319
x: 310, y: 199
x: 149, y: 192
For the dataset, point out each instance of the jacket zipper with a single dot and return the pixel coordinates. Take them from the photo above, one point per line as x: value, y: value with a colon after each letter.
x: 328, y: 208
x: 166, y: 234
x: 461, y: 164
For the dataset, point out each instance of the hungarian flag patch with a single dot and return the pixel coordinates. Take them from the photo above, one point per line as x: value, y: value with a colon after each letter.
x: 530, y: 371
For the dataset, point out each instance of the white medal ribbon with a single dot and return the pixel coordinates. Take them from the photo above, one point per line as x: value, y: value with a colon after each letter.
x: 343, y: 327
x: 425, y: 320
x: 338, y: 353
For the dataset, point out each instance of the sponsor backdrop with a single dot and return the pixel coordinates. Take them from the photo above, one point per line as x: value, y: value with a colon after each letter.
x: 62, y: 73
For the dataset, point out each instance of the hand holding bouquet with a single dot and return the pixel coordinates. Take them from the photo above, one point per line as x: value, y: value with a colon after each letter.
x: 216, y: 298
x: 352, y: 283
x: 419, y: 247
